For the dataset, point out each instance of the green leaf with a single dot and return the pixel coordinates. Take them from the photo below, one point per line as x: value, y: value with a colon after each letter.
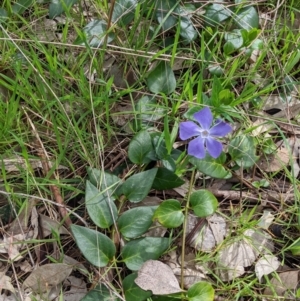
x: 169, y: 214
x: 132, y: 291
x: 166, y: 179
x: 161, y: 79
x: 173, y: 297
x: 137, y: 187
x: 164, y: 13
x: 135, y: 222
x: 169, y: 163
x: 203, y: 202
x: 187, y: 29
x: 96, y: 247
x: 100, y: 293
x: 94, y: 34
x: 106, y: 181
x: 247, y: 18
x: 149, y: 110
x: 243, y: 151
x: 211, y: 167
x: 235, y: 38
x: 159, y: 146
x: 59, y: 6
x: 3, y: 15
x: 201, y: 291
x: 124, y: 11
x: 20, y: 6
x: 140, y: 147
x: 102, y: 210
x: 215, y: 14
x: 136, y: 252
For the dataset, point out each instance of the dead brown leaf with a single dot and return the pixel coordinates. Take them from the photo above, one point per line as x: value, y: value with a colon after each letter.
x: 47, y: 276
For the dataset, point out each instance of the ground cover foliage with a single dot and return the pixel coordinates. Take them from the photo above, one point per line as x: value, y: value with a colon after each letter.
x: 149, y: 150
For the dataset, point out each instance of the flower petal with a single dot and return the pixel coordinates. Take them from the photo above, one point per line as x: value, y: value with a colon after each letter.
x: 204, y: 118
x: 214, y: 147
x: 221, y: 129
x: 196, y: 148
x: 188, y: 129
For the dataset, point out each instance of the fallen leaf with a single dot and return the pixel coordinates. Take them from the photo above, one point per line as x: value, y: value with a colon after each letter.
x: 48, y: 224
x: 266, y: 220
x: 208, y: 236
x: 266, y: 265
x: 5, y: 283
x: 77, y: 289
x: 287, y: 281
x: 234, y: 257
x: 157, y: 277
x: 47, y: 276
x: 275, y: 162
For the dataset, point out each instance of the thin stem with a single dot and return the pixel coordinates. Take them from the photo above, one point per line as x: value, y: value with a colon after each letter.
x: 185, y: 226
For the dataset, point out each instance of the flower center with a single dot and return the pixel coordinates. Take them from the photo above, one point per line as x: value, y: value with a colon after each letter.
x: 204, y: 134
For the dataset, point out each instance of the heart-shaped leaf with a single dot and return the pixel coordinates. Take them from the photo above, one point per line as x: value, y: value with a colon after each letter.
x: 161, y: 79
x: 215, y: 14
x: 136, y: 252
x: 96, y: 247
x: 57, y: 7
x: 187, y: 29
x: 243, y: 151
x: 247, y: 18
x: 203, y: 202
x: 102, y: 210
x: 166, y: 179
x: 124, y: 11
x: 132, y: 291
x: 165, y: 13
x: 105, y: 181
x: 211, y: 167
x: 94, y: 34
x: 137, y: 187
x: 169, y: 214
x: 135, y: 222
x: 201, y: 291
x: 140, y: 147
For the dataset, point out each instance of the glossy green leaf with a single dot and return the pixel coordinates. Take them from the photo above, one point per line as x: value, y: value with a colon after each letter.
x: 100, y: 293
x: 149, y: 110
x: 211, y: 167
x: 203, y: 202
x: 57, y: 7
x: 21, y: 5
x: 169, y: 214
x: 201, y: 291
x: 169, y: 163
x: 159, y: 145
x: 137, y: 187
x: 124, y: 11
x: 94, y: 34
x: 166, y: 179
x: 101, y: 209
x: 136, y: 252
x: 187, y: 29
x: 243, y: 151
x: 135, y: 222
x: 165, y: 13
x: 215, y: 14
x: 139, y: 148
x: 3, y: 15
x: 161, y: 79
x: 132, y: 291
x: 235, y: 38
x: 247, y: 18
x: 96, y: 247
x: 106, y: 181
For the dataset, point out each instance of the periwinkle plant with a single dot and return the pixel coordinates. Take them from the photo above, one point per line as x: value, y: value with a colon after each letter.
x: 206, y: 134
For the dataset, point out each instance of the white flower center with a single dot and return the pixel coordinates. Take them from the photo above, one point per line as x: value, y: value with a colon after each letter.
x: 204, y: 134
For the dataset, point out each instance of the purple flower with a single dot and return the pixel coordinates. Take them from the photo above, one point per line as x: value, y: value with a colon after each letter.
x: 206, y: 133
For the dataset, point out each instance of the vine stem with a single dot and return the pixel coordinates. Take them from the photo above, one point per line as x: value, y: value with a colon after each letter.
x: 185, y: 227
